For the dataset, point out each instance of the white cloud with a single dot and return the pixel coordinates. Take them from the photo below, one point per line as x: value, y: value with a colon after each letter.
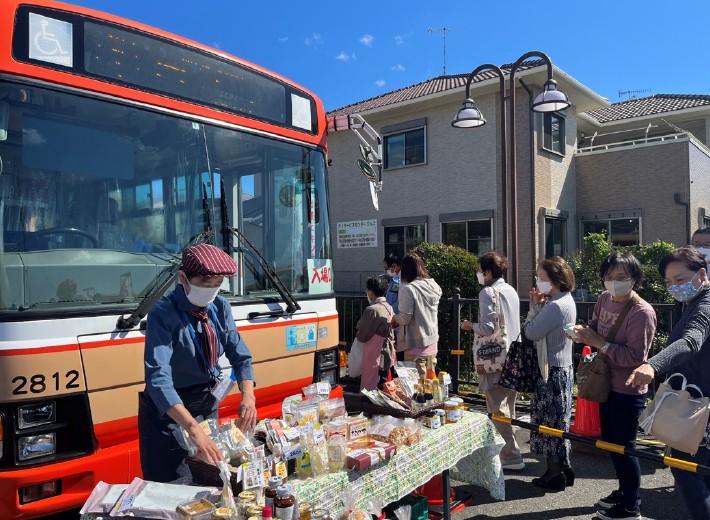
x: 315, y: 40
x: 353, y: 56
x: 284, y: 39
x: 398, y: 68
x: 380, y: 83
x: 399, y: 40
x: 343, y: 56
x: 367, y: 40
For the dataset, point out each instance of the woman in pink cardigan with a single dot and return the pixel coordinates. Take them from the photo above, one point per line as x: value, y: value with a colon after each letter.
x: 372, y: 330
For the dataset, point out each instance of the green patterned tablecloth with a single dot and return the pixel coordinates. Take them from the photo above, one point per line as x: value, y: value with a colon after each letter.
x: 468, y: 448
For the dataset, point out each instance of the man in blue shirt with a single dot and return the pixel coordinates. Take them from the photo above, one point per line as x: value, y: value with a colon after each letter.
x: 392, y: 268
x: 186, y: 334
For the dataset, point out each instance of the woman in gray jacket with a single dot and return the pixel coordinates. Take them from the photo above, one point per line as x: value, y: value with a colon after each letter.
x: 419, y: 298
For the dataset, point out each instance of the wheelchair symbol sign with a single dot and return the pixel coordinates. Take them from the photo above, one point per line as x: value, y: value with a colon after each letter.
x: 51, y: 40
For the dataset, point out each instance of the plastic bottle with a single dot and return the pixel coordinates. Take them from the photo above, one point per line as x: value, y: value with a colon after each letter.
x: 421, y: 398
x: 270, y: 491
x: 430, y: 372
x: 284, y: 503
x: 428, y: 396
x: 267, y: 513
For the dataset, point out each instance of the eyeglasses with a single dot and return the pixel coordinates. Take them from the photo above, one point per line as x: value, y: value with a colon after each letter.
x: 616, y: 279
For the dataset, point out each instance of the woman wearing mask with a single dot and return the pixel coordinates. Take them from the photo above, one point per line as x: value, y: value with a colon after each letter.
x: 621, y: 273
x: 372, y: 330
x: 551, y: 308
x: 499, y: 400
x: 688, y: 352
x: 418, y: 314
x: 701, y: 242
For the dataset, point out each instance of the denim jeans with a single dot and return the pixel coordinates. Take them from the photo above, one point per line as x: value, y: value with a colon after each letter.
x: 694, y: 488
x: 619, y: 421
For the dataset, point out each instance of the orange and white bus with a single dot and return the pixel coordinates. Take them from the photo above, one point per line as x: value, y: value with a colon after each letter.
x: 118, y: 144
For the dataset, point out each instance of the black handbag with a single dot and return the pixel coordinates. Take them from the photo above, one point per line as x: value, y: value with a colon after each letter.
x: 520, y: 370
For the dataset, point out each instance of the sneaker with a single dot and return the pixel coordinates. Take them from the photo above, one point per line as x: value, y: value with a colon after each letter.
x: 514, y: 466
x: 619, y: 512
x: 611, y: 500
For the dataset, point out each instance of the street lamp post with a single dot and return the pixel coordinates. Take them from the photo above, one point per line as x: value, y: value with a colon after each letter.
x: 550, y: 100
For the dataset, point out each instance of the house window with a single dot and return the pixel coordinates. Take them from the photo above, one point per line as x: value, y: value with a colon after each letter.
x: 402, y: 239
x: 553, y: 132
x: 622, y: 231
x: 405, y: 148
x: 476, y: 236
x: 555, y: 237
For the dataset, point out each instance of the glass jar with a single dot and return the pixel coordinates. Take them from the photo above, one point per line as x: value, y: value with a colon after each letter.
x: 453, y: 414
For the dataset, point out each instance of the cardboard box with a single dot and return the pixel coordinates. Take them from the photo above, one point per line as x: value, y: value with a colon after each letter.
x: 363, y: 454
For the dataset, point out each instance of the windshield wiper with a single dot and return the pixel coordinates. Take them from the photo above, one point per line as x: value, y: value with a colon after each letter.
x: 157, y: 291
x: 291, y: 304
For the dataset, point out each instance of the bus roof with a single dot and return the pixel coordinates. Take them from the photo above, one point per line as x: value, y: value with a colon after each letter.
x: 12, y: 62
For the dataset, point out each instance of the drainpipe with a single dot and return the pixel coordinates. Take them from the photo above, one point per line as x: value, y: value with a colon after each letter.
x: 676, y: 198
x: 533, y: 213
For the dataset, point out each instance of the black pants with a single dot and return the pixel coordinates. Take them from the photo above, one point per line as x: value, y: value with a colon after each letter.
x: 619, y: 421
x: 162, y: 458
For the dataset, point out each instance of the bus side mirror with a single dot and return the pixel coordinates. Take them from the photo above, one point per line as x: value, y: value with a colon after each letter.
x: 4, y: 119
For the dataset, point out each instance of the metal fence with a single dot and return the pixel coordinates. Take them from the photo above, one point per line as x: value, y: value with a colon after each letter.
x: 455, y: 345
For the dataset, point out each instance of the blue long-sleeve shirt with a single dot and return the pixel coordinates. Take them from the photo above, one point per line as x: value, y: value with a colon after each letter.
x: 171, y: 360
x: 392, y: 294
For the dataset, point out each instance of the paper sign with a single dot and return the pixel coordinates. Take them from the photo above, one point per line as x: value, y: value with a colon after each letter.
x: 447, y: 379
x: 305, y: 429
x: 292, y: 452
x: 300, y: 112
x: 51, y: 40
x: 323, y: 388
x: 320, y: 275
x: 318, y: 435
x: 253, y: 474
x: 292, y: 434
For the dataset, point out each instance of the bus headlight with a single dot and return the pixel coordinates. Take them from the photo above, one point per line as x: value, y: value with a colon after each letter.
x: 37, y: 446
x: 36, y: 414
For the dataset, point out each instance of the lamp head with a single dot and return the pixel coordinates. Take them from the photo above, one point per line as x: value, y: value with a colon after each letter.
x: 551, y: 99
x: 468, y: 116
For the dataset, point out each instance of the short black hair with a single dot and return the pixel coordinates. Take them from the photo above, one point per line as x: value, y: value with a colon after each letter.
x: 391, y: 259
x: 378, y: 285
x: 626, y: 260
x: 702, y: 231
x: 494, y: 262
x: 691, y: 257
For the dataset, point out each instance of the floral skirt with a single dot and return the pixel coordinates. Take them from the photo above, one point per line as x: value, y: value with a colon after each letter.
x: 551, y: 405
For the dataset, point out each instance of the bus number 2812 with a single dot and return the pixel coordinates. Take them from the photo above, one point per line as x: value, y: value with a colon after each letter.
x: 37, y: 383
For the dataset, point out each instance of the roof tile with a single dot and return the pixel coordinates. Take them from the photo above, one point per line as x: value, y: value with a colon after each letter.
x: 646, y: 106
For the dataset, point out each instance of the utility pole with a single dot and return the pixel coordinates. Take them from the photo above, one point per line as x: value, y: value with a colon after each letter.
x: 444, y: 30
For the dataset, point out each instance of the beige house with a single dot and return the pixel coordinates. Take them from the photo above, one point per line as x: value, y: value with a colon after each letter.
x: 443, y: 184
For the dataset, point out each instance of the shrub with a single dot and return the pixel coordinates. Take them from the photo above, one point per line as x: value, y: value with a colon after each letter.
x: 451, y: 267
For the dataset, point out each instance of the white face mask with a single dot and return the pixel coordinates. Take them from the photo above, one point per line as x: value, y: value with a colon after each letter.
x: 705, y: 252
x: 391, y: 273
x: 618, y: 288
x: 367, y: 295
x: 201, y: 296
x: 481, y: 278
x: 544, y: 287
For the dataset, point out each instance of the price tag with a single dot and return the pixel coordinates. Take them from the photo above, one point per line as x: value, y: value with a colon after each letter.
x: 305, y: 429
x: 318, y: 435
x: 292, y: 452
x: 323, y: 388
x: 447, y: 379
x: 126, y: 503
x: 355, y: 453
x: 292, y: 434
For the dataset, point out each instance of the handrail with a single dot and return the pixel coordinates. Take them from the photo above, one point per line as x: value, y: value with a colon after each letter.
x: 643, y: 140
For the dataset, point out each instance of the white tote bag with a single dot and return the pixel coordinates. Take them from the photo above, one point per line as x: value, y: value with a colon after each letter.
x: 355, y: 359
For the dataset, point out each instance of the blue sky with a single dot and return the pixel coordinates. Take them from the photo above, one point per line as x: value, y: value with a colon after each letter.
x: 345, y: 52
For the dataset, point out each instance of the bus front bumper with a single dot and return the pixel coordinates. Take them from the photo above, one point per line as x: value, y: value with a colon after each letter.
x: 75, y: 480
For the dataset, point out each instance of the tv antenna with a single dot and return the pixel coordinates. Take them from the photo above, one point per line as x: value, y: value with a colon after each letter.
x: 444, y: 30
x: 633, y: 94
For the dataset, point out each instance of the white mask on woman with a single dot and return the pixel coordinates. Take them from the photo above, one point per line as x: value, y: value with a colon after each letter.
x: 618, y: 288
x: 481, y: 278
x: 543, y: 287
x: 201, y: 296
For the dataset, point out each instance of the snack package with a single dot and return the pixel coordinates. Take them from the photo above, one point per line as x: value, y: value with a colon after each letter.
x: 396, y: 431
x: 307, y: 411
x: 364, y: 454
x: 310, y: 391
x: 356, y: 427
x: 319, y: 451
x: 289, y: 409
x: 331, y: 410
x: 338, y: 427
x: 393, y: 402
x: 350, y: 510
x: 395, y: 389
x: 374, y: 397
x: 337, y: 452
x: 157, y: 500
x: 103, y: 498
x: 403, y: 513
x: 227, y: 494
x: 375, y: 506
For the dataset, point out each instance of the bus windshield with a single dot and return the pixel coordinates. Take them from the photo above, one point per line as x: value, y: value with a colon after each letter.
x: 97, y: 198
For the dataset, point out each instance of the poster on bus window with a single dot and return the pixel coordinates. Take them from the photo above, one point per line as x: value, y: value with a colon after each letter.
x: 357, y: 233
x: 320, y: 276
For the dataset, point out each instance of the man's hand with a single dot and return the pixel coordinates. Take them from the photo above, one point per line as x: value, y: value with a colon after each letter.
x: 206, y: 448
x: 394, y: 324
x: 466, y: 325
x: 588, y: 336
x: 643, y: 375
x: 247, y: 408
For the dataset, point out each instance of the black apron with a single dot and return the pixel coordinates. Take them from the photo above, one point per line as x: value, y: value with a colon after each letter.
x: 162, y: 458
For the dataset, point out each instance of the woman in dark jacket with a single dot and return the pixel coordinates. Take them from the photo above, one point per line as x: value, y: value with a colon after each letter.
x: 688, y: 352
